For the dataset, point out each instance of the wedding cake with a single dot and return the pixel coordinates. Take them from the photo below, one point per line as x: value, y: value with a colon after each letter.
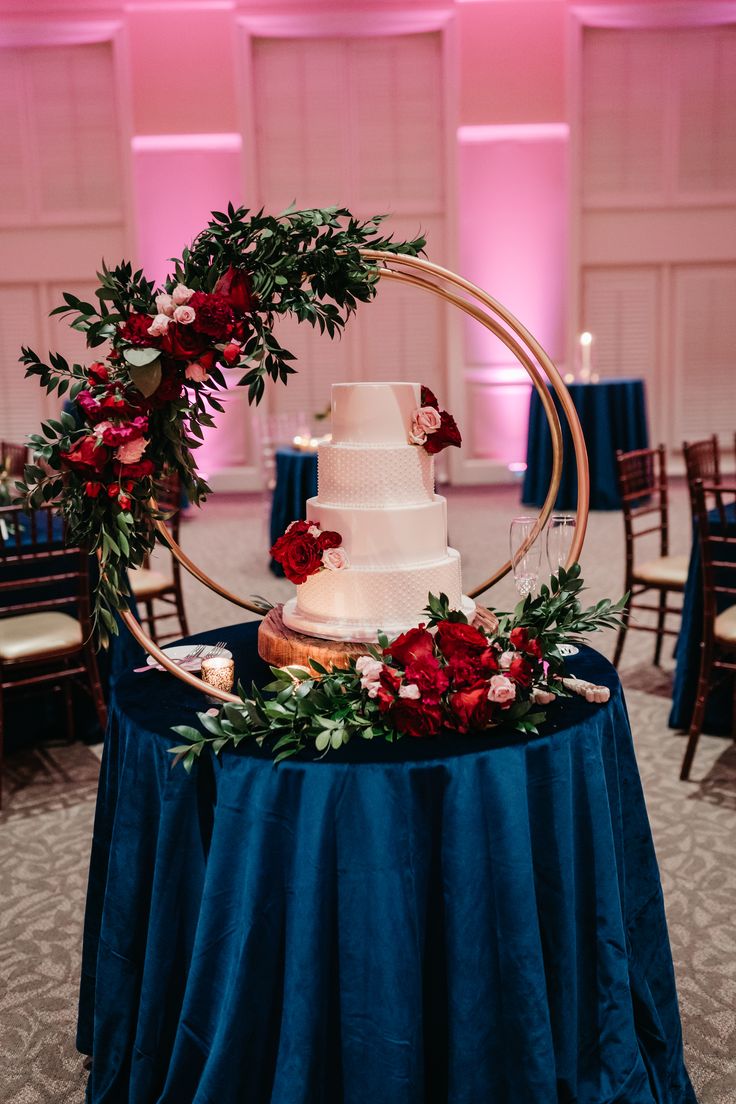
x: 376, y: 522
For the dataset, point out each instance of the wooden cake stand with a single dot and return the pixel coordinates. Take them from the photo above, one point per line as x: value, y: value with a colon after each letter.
x: 283, y: 647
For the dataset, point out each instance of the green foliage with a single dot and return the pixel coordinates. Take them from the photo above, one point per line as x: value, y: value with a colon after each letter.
x: 301, y: 263
x: 324, y: 709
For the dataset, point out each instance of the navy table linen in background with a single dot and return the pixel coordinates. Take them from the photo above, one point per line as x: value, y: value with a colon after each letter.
x: 613, y: 416
x: 459, y: 920
x: 719, y: 709
x: 296, y: 481
x: 47, y: 718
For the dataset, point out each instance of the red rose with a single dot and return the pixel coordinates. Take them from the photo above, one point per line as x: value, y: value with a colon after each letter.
x: 388, y: 689
x: 135, y: 331
x: 412, y: 646
x: 137, y: 471
x: 114, y: 435
x: 170, y: 387
x: 328, y: 539
x: 124, y: 501
x: 235, y: 285
x: 92, y: 489
x: 471, y: 708
x: 521, y: 670
x: 298, y: 554
x: 87, y: 454
x: 183, y: 342
x: 97, y: 410
x: 416, y: 717
x: 534, y: 648
x: 231, y: 353
x: 97, y: 372
x: 428, y: 398
x: 214, y: 315
x: 113, y: 490
x: 466, y: 670
x: 455, y: 638
x: 447, y: 434
x: 519, y: 638
x: 429, y: 676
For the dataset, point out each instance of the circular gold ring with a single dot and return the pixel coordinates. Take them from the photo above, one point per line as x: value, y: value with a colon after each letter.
x: 530, y: 354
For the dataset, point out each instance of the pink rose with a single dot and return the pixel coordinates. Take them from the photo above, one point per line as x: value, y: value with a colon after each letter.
x: 417, y: 437
x: 335, y: 559
x: 502, y: 690
x: 165, y: 304
x: 409, y: 690
x: 184, y: 315
x: 131, y: 451
x: 427, y: 419
x: 506, y: 659
x: 181, y: 295
x: 159, y: 326
x: 369, y: 670
x: 99, y: 430
x: 195, y: 371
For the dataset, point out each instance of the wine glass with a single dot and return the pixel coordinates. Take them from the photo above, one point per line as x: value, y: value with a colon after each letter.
x: 560, y: 532
x: 526, y: 564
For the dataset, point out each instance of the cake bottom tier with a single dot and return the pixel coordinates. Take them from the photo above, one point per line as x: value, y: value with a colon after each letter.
x: 358, y: 603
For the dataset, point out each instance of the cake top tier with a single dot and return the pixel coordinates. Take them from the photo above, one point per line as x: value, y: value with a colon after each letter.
x: 373, y: 413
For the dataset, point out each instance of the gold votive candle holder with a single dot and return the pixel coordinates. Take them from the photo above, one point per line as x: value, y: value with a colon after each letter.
x: 219, y: 671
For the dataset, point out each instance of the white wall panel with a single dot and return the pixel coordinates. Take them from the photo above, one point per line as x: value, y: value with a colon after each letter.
x: 705, y: 351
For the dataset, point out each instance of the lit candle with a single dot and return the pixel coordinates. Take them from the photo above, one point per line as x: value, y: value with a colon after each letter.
x: 219, y: 671
x: 586, y: 342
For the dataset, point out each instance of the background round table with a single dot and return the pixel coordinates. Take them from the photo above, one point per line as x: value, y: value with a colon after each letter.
x: 613, y: 416
x: 296, y: 481
x: 719, y: 710
x: 454, y: 920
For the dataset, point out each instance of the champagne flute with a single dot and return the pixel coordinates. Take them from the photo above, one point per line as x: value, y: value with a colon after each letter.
x: 560, y: 532
x: 526, y: 564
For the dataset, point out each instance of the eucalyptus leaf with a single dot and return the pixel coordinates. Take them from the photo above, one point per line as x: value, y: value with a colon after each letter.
x: 146, y: 378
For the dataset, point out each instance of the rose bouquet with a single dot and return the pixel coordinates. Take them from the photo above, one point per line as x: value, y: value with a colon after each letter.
x: 443, y: 675
x: 304, y: 549
x: 139, y: 410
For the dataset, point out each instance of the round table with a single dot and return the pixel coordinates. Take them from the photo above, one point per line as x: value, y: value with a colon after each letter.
x: 452, y: 921
x: 613, y: 416
x: 296, y: 481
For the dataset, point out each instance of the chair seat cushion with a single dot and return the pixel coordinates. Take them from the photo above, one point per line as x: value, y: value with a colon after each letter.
x: 668, y: 571
x: 145, y: 582
x: 35, y: 635
x: 725, y: 627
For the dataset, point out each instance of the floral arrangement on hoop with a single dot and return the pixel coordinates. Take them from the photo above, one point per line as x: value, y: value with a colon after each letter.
x: 142, y: 407
x: 442, y: 675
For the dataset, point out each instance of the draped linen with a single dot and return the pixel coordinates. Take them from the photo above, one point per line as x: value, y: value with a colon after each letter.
x: 458, y: 920
x: 296, y: 481
x: 718, y: 712
x: 613, y: 416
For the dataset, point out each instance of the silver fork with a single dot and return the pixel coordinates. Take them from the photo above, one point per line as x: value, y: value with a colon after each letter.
x: 196, y: 653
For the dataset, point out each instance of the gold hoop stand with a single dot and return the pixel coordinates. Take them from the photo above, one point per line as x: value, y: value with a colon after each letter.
x: 477, y: 304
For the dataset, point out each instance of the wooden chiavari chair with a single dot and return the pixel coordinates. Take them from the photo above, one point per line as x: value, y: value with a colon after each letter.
x: 151, y: 586
x: 642, y: 480
x: 715, y: 506
x: 702, y: 461
x: 46, y: 636
x: 13, y: 458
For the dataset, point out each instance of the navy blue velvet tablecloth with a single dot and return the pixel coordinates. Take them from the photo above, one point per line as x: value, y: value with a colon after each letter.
x: 454, y: 921
x: 296, y: 481
x: 47, y: 718
x: 613, y: 416
x: 718, y: 711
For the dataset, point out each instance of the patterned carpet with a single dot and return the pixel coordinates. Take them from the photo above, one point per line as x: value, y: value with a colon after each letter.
x: 46, y: 825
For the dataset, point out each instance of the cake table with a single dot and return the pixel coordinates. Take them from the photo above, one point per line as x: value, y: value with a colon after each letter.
x: 456, y: 920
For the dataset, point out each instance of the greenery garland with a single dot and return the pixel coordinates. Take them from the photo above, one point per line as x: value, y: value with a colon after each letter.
x: 141, y: 409
x: 458, y: 677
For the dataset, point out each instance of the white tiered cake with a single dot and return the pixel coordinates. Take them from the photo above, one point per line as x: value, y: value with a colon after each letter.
x: 377, y: 491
